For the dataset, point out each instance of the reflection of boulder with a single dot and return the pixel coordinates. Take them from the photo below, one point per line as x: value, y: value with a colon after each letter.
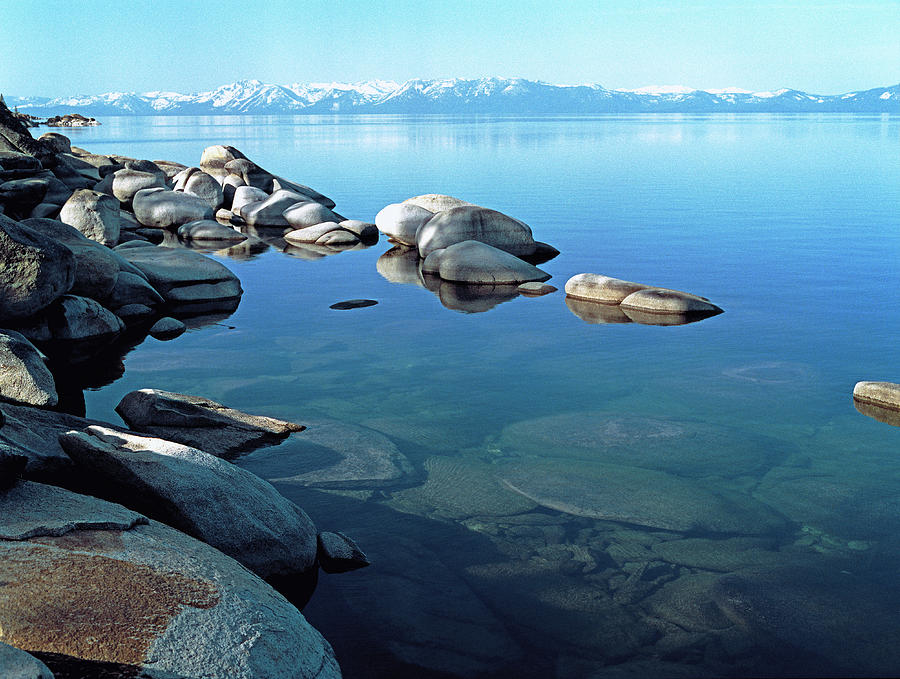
x: 886, y: 415
x: 595, y: 312
x: 471, y: 261
x: 656, y: 318
x: 400, y: 265
x: 470, y: 299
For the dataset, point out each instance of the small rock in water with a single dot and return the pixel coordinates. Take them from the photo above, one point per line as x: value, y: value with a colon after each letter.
x: 337, y: 553
x: 535, y: 289
x: 167, y: 328
x: 353, y: 304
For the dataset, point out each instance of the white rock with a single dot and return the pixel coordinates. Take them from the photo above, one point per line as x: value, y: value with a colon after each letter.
x: 401, y: 221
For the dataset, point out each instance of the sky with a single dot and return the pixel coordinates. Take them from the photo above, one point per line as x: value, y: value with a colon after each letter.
x: 62, y: 47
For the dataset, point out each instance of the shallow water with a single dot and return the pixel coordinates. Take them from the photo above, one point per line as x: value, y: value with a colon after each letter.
x: 742, y: 517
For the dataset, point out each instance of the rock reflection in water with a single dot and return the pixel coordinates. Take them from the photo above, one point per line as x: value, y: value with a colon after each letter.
x: 886, y: 415
x: 469, y: 298
x: 598, y: 313
x: 400, y: 265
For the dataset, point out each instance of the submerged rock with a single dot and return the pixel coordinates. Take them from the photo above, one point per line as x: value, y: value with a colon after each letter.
x: 158, y: 602
x: 200, y: 422
x: 638, y: 496
x: 167, y: 328
x: 536, y: 289
x: 661, y: 301
x: 596, y: 288
x: 353, y: 304
x: 337, y: 553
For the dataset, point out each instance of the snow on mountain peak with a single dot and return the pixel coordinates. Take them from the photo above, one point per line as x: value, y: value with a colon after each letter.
x: 659, y: 90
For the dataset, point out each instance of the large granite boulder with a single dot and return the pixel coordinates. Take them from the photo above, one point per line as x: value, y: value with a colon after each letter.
x: 201, y: 423
x: 188, y: 281
x: 217, y: 156
x: 96, y: 266
x: 81, y: 319
x: 475, y: 223
x: 93, y: 213
x: 196, y: 182
x: 89, y: 583
x: 270, y: 212
x: 165, y: 209
x: 245, y: 195
x: 883, y: 394
x: 597, y: 288
x: 132, y: 289
x: 24, y: 378
x: 17, y: 664
x: 663, y: 301
x: 401, y: 221
x: 210, y: 499
x: 309, y: 213
x: 474, y: 262
x: 436, y: 202
x: 21, y: 195
x: 35, y: 270
x: 58, y: 143
x: 324, y: 233
x: 125, y: 183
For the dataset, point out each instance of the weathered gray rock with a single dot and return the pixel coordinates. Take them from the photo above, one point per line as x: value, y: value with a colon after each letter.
x: 209, y: 230
x: 475, y: 262
x: 166, y: 209
x: 160, y: 603
x: 44, y: 210
x: 365, y: 231
x: 401, y: 221
x: 337, y: 553
x: 169, y: 168
x: 310, y: 213
x: 337, y: 238
x: 436, y: 202
x: 136, y: 314
x: 270, y: 212
x: 312, y: 234
x: 73, y: 318
x: 78, y: 165
x: 201, y: 423
x: 210, y: 499
x: 21, y: 195
x: 663, y: 301
x: 96, y: 266
x: 167, y: 328
x: 882, y: 394
x: 12, y: 465
x: 245, y: 195
x: 597, y: 288
x: 132, y: 289
x: 474, y: 223
x: 56, y: 142
x: 23, y: 376
x: 125, y: 183
x: 57, y: 192
x: 185, y: 279
x: 217, y: 156
x: 204, y: 186
x: 142, y: 165
x: 536, y: 289
x: 279, y: 183
x: 229, y: 185
x: 35, y: 270
x: 331, y: 454
x: 95, y: 214
x: 17, y: 664
x: 638, y: 496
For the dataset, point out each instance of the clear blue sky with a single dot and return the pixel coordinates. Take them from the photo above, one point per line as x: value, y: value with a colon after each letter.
x: 56, y: 47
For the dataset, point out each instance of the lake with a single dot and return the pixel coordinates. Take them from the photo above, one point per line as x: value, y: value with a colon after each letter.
x: 561, y: 493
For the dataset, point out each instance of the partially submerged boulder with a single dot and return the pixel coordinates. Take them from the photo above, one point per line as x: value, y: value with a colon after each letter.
x: 209, y: 230
x: 165, y: 209
x: 475, y: 262
x: 90, y: 582
x: 200, y: 422
x: 883, y: 394
x: 597, y: 288
x: 210, y: 499
x: 475, y: 223
x: 338, y: 553
x: 662, y: 301
x: 24, y: 377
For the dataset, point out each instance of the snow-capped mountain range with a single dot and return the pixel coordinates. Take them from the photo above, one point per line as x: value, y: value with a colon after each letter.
x: 483, y: 95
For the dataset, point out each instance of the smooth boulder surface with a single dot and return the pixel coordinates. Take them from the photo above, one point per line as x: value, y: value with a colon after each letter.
x: 165, y: 209
x: 474, y: 262
x: 315, y: 233
x: 209, y: 230
x: 35, y: 270
x: 401, y: 222
x: 132, y: 289
x: 310, y: 213
x: 73, y: 318
x: 436, y: 202
x: 201, y: 423
x: 210, y: 499
x: 883, y: 394
x: 187, y: 280
x: 167, y: 328
x: 663, y: 301
x: 203, y: 186
x: 94, y: 583
x: 270, y: 211
x: 96, y: 266
x: 126, y: 183
x: 218, y: 155
x: 17, y: 664
x: 365, y: 231
x: 597, y: 288
x: 339, y: 553
x: 475, y: 223
x: 536, y: 289
x: 93, y: 213
x: 21, y: 195
x: 245, y: 195
x: 24, y: 377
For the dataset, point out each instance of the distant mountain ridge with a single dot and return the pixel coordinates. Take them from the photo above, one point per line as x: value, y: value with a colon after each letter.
x: 483, y: 95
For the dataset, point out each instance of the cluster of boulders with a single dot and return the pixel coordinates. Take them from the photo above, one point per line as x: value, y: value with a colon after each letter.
x: 188, y: 565
x: 464, y: 243
x: 71, y: 120
x: 601, y: 299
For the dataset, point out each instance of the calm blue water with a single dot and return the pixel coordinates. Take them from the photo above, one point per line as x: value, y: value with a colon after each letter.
x: 509, y: 547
